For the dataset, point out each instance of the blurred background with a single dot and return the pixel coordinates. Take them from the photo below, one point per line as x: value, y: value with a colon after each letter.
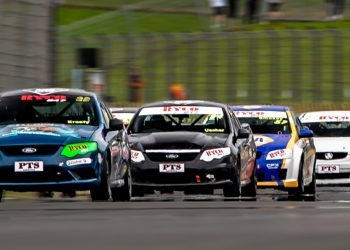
x: 293, y: 52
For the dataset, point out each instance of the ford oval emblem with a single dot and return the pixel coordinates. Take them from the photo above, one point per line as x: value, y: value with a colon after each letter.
x: 172, y: 156
x: 29, y: 150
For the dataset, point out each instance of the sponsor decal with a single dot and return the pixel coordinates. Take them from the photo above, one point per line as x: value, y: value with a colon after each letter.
x: 80, y: 147
x: 172, y: 110
x: 46, y: 91
x: 333, y: 118
x: 261, y: 114
x: 272, y: 165
x: 29, y: 166
x: 262, y: 140
x: 80, y: 161
x: 48, y: 98
x: 280, y: 153
x: 327, y: 169
x: 83, y: 122
x: 211, y: 154
x: 72, y: 150
x: 214, y: 130
x: 38, y: 129
x: 180, y: 108
x: 172, y: 168
x: 137, y: 156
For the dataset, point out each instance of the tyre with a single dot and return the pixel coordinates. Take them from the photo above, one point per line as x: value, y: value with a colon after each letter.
x: 101, y: 192
x: 1, y: 194
x: 250, y: 189
x: 310, y: 190
x: 233, y: 189
x: 123, y: 193
x: 298, y: 192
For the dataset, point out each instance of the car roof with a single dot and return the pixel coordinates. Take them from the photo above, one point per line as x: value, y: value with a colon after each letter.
x: 260, y: 107
x: 123, y: 110
x: 185, y: 103
x: 46, y: 91
x: 327, y: 115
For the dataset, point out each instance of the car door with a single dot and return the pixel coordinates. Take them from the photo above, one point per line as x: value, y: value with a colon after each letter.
x: 308, y: 150
x: 117, y: 142
x: 245, y: 149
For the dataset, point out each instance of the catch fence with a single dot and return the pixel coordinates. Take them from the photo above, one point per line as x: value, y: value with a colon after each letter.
x: 311, y: 66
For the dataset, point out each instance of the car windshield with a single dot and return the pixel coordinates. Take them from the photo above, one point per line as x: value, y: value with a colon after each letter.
x: 330, y: 129
x: 265, y: 122
x: 181, y: 118
x: 53, y: 108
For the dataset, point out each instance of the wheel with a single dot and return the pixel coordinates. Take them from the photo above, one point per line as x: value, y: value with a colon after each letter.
x: 310, y: 190
x: 233, y: 189
x: 123, y: 193
x: 1, y: 194
x: 250, y: 189
x: 299, y: 191
x: 101, y: 192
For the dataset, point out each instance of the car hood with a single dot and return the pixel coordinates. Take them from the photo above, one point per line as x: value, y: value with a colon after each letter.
x: 43, y: 134
x: 177, y: 140
x: 332, y: 144
x: 268, y: 142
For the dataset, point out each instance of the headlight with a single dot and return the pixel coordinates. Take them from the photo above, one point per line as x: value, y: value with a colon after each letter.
x: 216, y: 153
x: 137, y: 156
x: 279, y: 154
x: 81, y: 148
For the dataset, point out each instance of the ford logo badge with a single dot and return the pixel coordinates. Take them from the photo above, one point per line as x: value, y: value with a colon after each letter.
x: 29, y: 150
x: 171, y: 156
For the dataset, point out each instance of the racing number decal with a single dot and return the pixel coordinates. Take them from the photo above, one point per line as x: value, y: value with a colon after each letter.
x: 82, y: 99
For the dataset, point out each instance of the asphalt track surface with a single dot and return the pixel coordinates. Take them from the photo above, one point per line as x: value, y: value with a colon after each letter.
x: 178, y: 222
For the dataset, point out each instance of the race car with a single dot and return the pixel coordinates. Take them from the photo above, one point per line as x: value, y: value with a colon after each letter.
x: 285, y: 150
x: 191, y: 146
x: 124, y: 114
x: 332, y: 142
x: 61, y: 140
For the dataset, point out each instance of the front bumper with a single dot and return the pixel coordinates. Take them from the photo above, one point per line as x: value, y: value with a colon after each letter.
x: 56, y: 175
x: 340, y: 178
x: 274, y: 174
x: 197, y: 174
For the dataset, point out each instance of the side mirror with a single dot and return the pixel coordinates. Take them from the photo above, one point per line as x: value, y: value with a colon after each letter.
x: 116, y: 124
x: 247, y: 126
x: 243, y: 133
x: 306, y: 133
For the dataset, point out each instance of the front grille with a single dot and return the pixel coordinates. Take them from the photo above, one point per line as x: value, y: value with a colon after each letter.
x: 50, y: 174
x: 40, y: 150
x: 170, y: 157
x: 333, y: 176
x: 336, y: 156
x: 282, y: 174
x: 152, y: 176
x: 182, y: 145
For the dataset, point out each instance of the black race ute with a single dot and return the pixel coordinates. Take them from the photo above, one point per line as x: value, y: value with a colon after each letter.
x: 191, y: 146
